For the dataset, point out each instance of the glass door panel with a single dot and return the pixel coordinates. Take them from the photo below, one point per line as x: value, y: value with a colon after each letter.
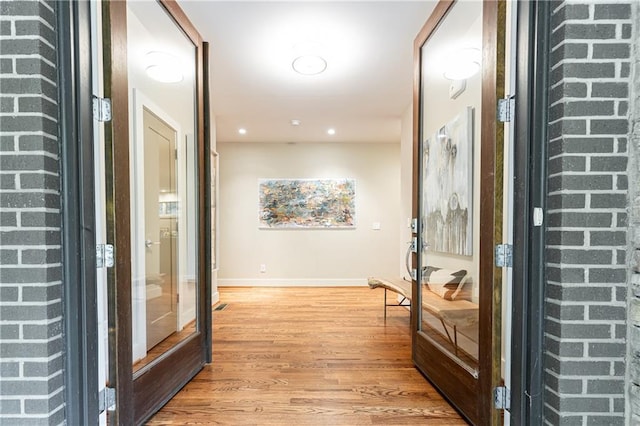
x: 161, y: 61
x: 457, y: 191
x: 449, y: 178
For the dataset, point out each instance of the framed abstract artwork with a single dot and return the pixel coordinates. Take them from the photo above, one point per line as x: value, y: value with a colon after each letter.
x: 307, y: 203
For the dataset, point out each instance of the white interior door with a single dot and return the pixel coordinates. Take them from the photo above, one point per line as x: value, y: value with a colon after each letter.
x: 160, y: 204
x: 157, y: 231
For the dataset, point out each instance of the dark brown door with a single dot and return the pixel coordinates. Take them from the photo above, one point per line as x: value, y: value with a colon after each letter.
x: 458, y: 203
x: 155, y: 161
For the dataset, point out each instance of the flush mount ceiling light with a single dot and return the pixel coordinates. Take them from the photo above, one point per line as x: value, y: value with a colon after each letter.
x: 465, y: 63
x: 242, y: 131
x: 295, y: 122
x: 309, y: 64
x: 331, y: 132
x: 163, y: 67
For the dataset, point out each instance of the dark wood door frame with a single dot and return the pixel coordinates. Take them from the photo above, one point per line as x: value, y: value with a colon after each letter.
x: 473, y: 397
x: 117, y: 200
x: 209, y: 220
x: 138, y: 398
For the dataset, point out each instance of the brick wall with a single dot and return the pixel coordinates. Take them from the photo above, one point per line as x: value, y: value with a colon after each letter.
x: 586, y: 314
x: 31, y: 341
x: 634, y: 226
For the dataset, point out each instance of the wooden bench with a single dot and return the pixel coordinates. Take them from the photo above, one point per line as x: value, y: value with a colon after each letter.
x: 459, y: 315
x: 399, y: 286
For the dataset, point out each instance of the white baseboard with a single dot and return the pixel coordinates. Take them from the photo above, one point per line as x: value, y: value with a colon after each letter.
x: 289, y: 282
x: 187, y: 316
x: 215, y: 297
x: 139, y: 351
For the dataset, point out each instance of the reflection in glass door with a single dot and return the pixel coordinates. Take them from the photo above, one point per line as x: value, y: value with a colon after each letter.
x: 163, y: 90
x: 156, y: 204
x: 449, y: 287
x: 458, y: 202
x: 161, y: 231
x: 449, y: 181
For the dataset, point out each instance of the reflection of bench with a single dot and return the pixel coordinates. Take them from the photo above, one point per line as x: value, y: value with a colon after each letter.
x: 461, y: 315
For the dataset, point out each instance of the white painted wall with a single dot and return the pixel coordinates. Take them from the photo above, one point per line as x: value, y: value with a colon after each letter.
x: 406, y: 186
x: 308, y: 257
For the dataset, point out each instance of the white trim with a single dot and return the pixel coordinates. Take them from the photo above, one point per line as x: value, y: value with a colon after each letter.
x: 508, y: 204
x: 215, y: 202
x: 215, y: 297
x: 292, y: 282
x: 102, y: 298
x: 188, y: 315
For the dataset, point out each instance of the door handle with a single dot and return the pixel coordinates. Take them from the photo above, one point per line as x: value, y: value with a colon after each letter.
x: 149, y: 243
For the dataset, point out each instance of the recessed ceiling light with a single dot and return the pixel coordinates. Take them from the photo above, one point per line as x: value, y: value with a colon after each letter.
x: 309, y: 64
x: 295, y: 122
x: 331, y: 132
x: 242, y: 131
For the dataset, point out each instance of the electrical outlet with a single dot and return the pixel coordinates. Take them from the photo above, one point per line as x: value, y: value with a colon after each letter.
x: 263, y: 268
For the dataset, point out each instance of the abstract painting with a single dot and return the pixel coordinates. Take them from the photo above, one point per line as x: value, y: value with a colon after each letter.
x: 448, y: 186
x: 307, y: 203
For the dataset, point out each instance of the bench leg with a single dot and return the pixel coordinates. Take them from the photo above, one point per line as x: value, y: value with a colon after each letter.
x: 401, y: 303
x: 455, y: 338
x: 385, y: 305
x: 453, y: 341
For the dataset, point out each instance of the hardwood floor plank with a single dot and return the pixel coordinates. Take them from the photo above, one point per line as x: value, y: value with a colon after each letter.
x: 308, y: 356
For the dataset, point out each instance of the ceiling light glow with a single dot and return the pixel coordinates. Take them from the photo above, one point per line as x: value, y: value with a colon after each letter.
x: 331, y: 132
x: 309, y: 64
x: 295, y: 122
x: 163, y: 67
x: 242, y: 131
x: 465, y: 63
x: 299, y: 32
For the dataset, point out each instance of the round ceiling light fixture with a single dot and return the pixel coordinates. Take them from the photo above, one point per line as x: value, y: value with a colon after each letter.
x: 309, y: 64
x: 331, y: 132
x: 163, y: 67
x: 242, y: 131
x: 463, y: 65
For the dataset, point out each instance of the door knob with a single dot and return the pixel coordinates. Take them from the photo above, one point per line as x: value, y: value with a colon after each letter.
x: 149, y: 243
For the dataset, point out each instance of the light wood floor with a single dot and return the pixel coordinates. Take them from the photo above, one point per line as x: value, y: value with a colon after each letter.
x: 308, y: 356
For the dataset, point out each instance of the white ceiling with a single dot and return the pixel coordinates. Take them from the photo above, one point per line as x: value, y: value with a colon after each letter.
x: 363, y: 93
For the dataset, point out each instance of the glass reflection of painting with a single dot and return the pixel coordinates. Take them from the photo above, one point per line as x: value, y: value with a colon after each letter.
x: 307, y: 203
x: 448, y: 173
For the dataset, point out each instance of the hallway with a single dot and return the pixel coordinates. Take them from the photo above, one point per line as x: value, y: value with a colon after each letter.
x: 308, y: 356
